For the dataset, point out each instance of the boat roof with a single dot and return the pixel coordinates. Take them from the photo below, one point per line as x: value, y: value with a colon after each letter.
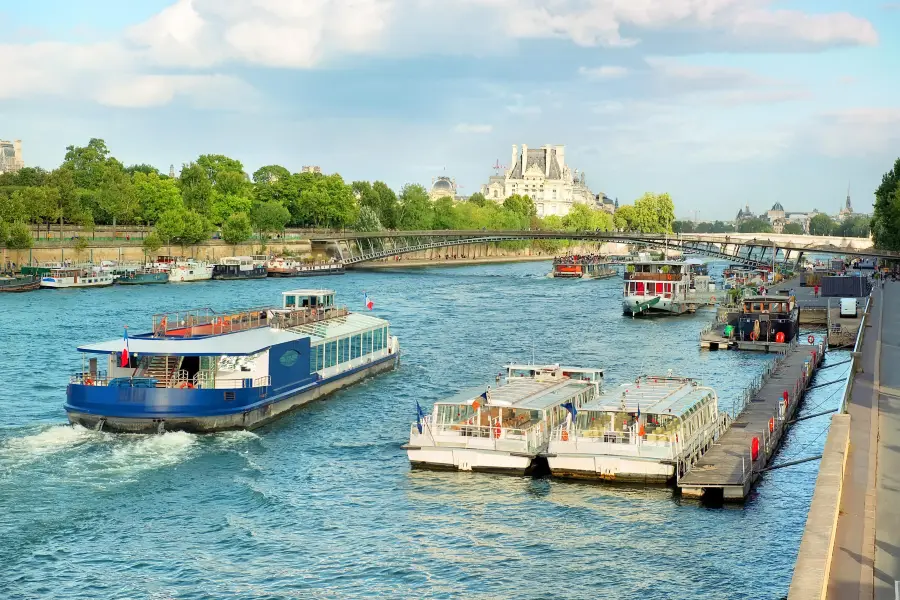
x: 672, y: 396
x: 338, y: 326
x: 239, y: 343
x: 767, y: 298
x: 528, y: 394
x: 549, y: 368
x: 659, y: 262
x: 309, y: 292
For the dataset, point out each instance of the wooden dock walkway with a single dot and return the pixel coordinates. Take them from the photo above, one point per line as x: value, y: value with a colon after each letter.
x: 729, y: 468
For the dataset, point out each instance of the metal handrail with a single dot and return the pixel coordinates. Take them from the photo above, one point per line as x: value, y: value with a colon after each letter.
x: 857, y: 353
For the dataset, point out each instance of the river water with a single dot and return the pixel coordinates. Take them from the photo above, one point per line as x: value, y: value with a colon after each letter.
x: 322, y: 504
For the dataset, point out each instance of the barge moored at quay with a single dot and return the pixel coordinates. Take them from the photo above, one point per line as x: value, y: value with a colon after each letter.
x: 240, y: 267
x: 646, y: 431
x: 501, y: 430
x: 582, y: 267
x: 666, y: 287
x: 280, y: 267
x: 203, y: 371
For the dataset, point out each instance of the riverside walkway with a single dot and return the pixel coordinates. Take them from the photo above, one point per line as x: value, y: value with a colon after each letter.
x: 731, y: 467
x: 851, y: 545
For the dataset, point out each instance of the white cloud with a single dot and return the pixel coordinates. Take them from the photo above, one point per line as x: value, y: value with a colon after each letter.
x: 473, y: 128
x: 856, y: 132
x: 205, y: 91
x: 604, y: 72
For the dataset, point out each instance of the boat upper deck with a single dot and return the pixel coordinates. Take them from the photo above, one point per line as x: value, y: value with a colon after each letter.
x: 671, y: 396
x: 525, y: 394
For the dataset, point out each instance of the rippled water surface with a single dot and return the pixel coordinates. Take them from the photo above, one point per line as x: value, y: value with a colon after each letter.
x: 322, y: 504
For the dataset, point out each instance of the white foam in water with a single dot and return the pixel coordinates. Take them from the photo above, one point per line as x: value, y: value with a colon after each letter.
x: 238, y: 436
x: 59, y: 438
x: 134, y: 454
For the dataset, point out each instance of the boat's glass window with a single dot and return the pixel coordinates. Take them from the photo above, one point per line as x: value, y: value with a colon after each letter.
x: 355, y: 344
x: 367, y: 342
x: 660, y: 425
x: 289, y: 358
x: 757, y: 307
x: 320, y: 357
x: 378, y: 333
x: 290, y: 301
x: 330, y: 354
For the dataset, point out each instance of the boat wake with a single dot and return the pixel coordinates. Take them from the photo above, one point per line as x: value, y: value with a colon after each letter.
x: 20, y: 451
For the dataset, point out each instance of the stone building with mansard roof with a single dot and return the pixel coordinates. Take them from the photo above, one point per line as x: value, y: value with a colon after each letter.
x: 543, y: 175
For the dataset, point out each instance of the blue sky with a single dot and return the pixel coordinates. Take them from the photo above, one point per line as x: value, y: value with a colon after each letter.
x: 718, y: 102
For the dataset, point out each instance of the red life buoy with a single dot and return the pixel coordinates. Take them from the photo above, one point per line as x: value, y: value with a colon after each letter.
x: 565, y: 435
x: 185, y: 385
x: 754, y: 448
x: 88, y: 381
x: 713, y: 299
x: 753, y: 336
x: 497, y: 431
x: 772, y: 425
x: 779, y: 337
x: 811, y: 338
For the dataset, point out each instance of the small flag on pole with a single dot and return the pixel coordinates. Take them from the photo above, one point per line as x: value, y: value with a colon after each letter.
x: 124, y: 362
x: 368, y: 301
x: 569, y: 406
x: 420, y: 416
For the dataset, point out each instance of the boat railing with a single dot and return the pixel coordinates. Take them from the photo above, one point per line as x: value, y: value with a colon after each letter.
x: 206, y: 321
x: 87, y: 378
x: 209, y: 381
x: 102, y: 380
x: 301, y: 316
x: 635, y: 275
x: 532, y: 439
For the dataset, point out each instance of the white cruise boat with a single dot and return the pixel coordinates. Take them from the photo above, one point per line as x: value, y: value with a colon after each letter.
x: 183, y: 271
x: 666, y: 286
x: 501, y: 430
x: 74, y: 277
x: 646, y: 431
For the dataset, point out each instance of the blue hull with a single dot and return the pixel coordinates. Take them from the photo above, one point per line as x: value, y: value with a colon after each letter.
x: 152, y: 410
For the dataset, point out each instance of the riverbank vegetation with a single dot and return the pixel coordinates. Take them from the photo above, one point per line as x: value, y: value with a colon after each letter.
x: 214, y: 196
x: 886, y: 218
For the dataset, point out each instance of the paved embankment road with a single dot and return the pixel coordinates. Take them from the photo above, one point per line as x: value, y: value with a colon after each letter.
x: 887, y: 487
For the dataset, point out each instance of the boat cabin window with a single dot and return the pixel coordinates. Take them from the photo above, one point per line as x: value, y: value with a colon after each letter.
x: 521, y: 372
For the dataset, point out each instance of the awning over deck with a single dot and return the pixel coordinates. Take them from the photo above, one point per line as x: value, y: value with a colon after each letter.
x: 241, y: 343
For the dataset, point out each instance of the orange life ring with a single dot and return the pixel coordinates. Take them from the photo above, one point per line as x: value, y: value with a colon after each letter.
x: 88, y: 381
x: 565, y: 435
x: 713, y: 299
x: 313, y: 312
x: 779, y: 337
x: 497, y: 431
x: 753, y: 336
x: 185, y: 385
x: 669, y: 277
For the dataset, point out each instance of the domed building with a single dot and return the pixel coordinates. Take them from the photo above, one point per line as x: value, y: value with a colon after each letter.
x: 441, y: 187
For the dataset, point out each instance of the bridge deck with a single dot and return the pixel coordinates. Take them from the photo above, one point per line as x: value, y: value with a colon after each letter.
x: 728, y: 465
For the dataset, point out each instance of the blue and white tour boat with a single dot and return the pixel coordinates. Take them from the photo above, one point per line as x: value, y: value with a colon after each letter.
x: 203, y: 371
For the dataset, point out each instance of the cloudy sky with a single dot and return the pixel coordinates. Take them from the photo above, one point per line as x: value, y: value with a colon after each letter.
x: 718, y: 102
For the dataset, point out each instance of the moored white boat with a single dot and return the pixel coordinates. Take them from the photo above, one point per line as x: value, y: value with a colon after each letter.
x: 183, y: 271
x: 501, y: 430
x: 646, y: 431
x: 75, y: 277
x: 666, y: 286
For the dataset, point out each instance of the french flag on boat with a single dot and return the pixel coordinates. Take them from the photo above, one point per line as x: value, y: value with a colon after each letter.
x: 124, y: 362
x: 369, y: 303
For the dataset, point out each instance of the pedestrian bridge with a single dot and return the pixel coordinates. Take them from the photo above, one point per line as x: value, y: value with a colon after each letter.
x: 748, y: 249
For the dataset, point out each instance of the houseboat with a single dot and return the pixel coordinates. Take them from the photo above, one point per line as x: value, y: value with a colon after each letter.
x: 582, y: 267
x: 141, y: 276
x: 239, y: 267
x: 282, y: 267
x: 75, y: 277
x: 501, y: 430
x: 20, y: 283
x: 203, y: 371
x: 183, y: 271
x: 769, y: 319
x: 645, y: 431
x: 666, y: 287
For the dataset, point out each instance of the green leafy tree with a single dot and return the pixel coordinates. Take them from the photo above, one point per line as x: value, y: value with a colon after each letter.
x: 24, y: 177
x: 143, y: 168
x: 13, y: 208
x: 886, y: 216
x: 155, y: 195
x: 520, y: 205
x: 625, y: 218
x: 274, y: 183
x: 444, y: 212
x: 793, y: 229
x: 367, y: 220
x: 117, y: 198
x: 152, y: 243
x: 218, y: 167
x: 19, y: 237
x: 196, y: 228
x: 88, y: 163
x: 477, y: 199
x: 388, y: 207
x: 4, y: 233
x: 170, y: 226
x: 237, y: 228
x: 854, y: 226
x: 683, y: 227
x: 416, y: 211
x: 225, y: 205
x: 821, y: 224
x: 196, y: 188
x: 269, y: 218
x: 270, y: 174
x: 755, y: 225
